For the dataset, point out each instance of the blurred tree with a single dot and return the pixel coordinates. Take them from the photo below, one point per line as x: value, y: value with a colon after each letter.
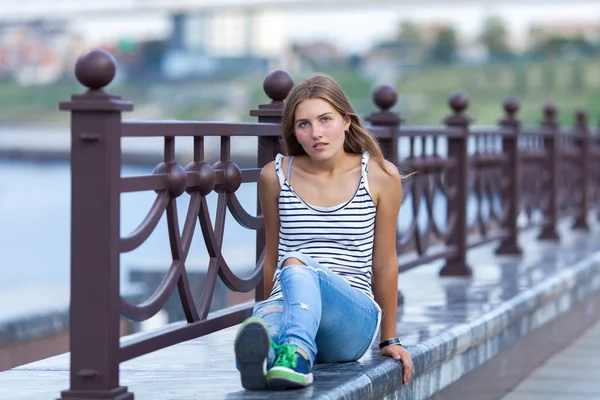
x: 548, y: 44
x: 535, y: 38
x: 410, y: 32
x: 445, y: 46
x: 567, y: 46
x: 495, y: 38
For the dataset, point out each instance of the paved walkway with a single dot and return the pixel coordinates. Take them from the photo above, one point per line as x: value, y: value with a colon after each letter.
x: 571, y: 374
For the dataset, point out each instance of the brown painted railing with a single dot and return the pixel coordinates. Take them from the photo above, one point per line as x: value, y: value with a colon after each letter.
x: 499, y: 173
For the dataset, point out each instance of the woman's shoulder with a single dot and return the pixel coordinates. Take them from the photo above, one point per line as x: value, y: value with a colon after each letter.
x: 268, y: 173
x: 382, y: 180
x: 388, y: 175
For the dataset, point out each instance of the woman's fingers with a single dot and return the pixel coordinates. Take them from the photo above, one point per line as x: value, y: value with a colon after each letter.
x: 400, y: 354
x: 405, y: 358
x: 407, y: 366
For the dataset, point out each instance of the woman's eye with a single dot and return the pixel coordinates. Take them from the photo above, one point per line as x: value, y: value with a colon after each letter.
x: 303, y: 124
x: 325, y: 119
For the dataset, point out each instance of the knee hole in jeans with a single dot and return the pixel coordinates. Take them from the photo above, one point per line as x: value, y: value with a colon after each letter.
x: 269, y: 310
x: 292, y: 261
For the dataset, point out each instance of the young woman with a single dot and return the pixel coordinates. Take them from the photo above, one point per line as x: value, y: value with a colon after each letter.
x: 330, y: 210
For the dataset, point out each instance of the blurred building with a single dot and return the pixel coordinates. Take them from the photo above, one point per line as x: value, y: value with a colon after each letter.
x: 37, y: 52
x: 223, y: 42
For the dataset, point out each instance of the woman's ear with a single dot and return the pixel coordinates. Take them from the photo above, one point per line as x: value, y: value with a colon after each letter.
x: 347, y: 122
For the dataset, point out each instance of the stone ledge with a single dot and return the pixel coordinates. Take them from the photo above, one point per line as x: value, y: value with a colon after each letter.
x: 445, y: 358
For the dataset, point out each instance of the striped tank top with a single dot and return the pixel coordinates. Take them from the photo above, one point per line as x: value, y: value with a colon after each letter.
x: 339, y: 237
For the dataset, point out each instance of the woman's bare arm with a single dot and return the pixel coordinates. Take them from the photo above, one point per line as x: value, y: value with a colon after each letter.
x: 388, y: 191
x: 268, y: 189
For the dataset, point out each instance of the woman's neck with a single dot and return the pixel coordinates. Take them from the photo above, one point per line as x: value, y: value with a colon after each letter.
x: 338, y: 163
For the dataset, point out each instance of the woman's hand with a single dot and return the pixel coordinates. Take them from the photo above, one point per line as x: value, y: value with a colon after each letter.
x: 399, y: 353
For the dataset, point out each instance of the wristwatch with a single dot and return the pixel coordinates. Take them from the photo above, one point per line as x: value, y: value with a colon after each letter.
x: 390, y: 341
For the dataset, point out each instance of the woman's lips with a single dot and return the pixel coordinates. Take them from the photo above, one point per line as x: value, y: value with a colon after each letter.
x: 319, y: 146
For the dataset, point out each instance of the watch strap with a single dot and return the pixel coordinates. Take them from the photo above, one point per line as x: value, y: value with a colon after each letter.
x: 390, y: 341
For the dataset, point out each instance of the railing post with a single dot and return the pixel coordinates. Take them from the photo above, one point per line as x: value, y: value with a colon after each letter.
x: 384, y: 97
x: 511, y: 173
x: 277, y: 85
x: 458, y: 178
x: 581, y: 125
x: 551, y: 144
x: 95, y: 232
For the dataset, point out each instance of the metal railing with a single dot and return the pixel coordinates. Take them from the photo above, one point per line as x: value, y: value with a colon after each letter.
x: 486, y: 180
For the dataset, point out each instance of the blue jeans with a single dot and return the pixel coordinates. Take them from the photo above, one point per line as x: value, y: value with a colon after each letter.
x: 320, y: 313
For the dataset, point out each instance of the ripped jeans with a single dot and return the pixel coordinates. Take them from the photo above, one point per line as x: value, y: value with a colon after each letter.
x: 320, y: 313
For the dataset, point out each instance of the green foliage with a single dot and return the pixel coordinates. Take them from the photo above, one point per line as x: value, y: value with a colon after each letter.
x: 410, y: 32
x: 495, y: 38
x: 422, y: 94
x: 445, y: 47
x: 570, y: 85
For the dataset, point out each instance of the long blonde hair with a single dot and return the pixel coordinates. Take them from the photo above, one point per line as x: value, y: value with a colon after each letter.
x: 357, y: 140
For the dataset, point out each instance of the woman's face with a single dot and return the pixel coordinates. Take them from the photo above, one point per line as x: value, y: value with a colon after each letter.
x: 319, y: 128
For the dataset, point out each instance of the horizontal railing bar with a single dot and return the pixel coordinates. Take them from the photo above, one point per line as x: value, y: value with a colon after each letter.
x: 533, y: 155
x: 498, y: 131
x: 428, y: 162
x: 417, y: 131
x: 250, y: 175
x: 159, y: 182
x: 414, y: 131
x: 570, y: 152
x: 132, y: 128
x: 181, y: 332
x: 142, y: 183
x: 487, y: 159
x: 539, y: 131
x: 197, y: 128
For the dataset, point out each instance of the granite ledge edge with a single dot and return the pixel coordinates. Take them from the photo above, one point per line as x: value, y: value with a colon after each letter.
x: 383, y: 378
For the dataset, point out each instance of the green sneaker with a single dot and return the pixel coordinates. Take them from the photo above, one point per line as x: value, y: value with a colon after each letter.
x: 291, y: 369
x: 251, y: 347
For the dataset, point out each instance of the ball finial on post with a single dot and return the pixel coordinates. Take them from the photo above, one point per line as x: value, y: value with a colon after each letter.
x: 581, y: 117
x: 458, y: 101
x: 385, y: 97
x: 511, y: 106
x: 95, y: 69
x: 550, y: 111
x: 277, y: 84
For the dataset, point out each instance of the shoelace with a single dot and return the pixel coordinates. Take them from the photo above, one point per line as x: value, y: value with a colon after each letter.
x: 287, y: 355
